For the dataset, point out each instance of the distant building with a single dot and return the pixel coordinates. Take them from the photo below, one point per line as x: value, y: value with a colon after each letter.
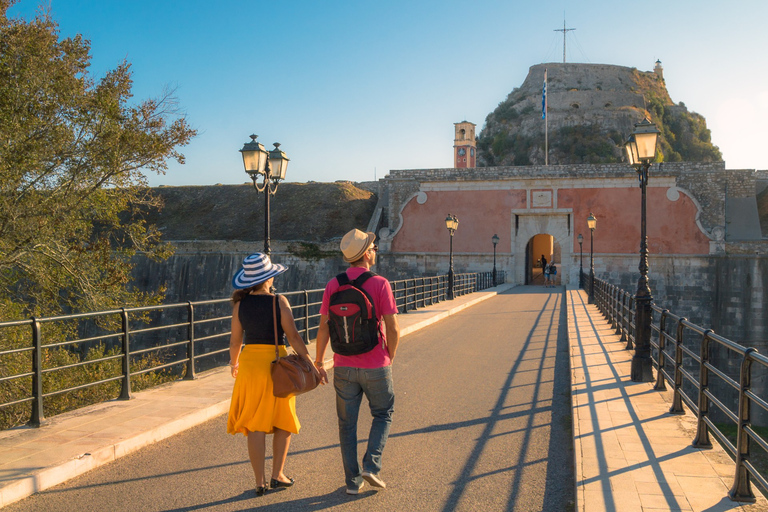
x: 464, y: 145
x: 658, y: 69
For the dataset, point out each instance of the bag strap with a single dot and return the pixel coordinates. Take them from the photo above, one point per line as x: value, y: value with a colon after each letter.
x: 342, y: 278
x: 274, y: 323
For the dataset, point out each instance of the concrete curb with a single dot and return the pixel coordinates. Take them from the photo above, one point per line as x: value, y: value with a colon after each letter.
x: 60, y: 473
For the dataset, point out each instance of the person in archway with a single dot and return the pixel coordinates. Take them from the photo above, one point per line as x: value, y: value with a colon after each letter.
x: 547, y: 275
x: 543, y: 261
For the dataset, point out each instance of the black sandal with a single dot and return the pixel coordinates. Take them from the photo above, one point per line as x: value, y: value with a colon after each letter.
x: 274, y: 484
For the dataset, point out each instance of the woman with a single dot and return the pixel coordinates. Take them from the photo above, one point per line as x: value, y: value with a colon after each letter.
x: 255, y: 411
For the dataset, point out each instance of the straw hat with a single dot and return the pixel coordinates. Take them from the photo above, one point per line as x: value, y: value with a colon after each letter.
x: 355, y: 243
x: 257, y: 268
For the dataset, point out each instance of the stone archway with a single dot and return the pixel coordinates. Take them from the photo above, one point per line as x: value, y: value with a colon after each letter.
x: 526, y: 224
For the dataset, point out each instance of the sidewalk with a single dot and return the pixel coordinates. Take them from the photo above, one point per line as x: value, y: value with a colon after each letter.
x: 34, y: 459
x: 630, y: 454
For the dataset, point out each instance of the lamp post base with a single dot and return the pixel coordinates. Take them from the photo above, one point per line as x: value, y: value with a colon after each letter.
x: 642, y: 369
x: 642, y: 364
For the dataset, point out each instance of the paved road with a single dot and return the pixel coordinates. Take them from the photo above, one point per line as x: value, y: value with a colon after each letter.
x: 482, y: 422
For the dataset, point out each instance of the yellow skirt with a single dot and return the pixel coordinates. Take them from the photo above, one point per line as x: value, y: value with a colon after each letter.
x: 254, y: 408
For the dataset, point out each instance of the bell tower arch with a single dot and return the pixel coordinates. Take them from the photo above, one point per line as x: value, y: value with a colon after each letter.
x: 464, y: 145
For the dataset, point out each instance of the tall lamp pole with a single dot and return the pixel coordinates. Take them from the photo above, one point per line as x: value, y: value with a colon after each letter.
x: 641, y: 151
x: 495, y: 240
x: 591, y: 224
x: 452, y: 223
x: 271, y: 166
x: 580, y: 238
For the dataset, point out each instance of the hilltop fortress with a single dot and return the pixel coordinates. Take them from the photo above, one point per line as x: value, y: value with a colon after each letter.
x: 591, y: 109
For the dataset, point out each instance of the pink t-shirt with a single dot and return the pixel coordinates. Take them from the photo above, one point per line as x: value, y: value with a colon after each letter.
x: 384, y: 304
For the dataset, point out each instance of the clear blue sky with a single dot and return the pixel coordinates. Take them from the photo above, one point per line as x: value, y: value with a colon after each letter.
x: 354, y: 88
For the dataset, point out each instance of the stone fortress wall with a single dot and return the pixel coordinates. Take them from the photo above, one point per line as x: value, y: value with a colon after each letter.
x: 723, y: 286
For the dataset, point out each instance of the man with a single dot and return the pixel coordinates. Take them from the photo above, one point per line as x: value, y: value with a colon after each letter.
x: 369, y: 373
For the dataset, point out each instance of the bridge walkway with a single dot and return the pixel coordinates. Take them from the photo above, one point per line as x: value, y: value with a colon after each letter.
x: 629, y: 454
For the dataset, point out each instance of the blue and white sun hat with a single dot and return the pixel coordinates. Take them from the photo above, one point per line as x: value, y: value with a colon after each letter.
x: 257, y: 268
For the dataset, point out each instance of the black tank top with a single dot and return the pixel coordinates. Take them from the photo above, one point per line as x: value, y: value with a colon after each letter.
x: 255, y: 314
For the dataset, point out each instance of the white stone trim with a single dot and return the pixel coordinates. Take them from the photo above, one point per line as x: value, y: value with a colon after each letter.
x: 537, y: 183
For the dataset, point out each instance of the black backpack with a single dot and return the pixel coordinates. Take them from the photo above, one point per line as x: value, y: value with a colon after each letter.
x: 352, y: 321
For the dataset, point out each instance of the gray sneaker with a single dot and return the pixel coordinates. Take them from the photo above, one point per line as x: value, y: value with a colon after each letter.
x: 374, y: 480
x: 355, y: 490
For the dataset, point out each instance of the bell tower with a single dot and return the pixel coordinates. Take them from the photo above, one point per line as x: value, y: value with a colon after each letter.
x: 464, y: 145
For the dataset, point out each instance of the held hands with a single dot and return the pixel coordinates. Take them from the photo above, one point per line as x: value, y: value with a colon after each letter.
x: 321, y: 373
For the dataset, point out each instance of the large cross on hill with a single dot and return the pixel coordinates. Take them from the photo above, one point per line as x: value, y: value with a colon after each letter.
x: 564, y: 30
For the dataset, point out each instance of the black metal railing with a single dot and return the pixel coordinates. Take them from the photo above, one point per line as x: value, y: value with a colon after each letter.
x: 682, y: 354
x: 180, y: 339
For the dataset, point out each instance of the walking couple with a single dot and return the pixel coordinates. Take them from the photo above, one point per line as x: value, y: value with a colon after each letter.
x: 255, y: 412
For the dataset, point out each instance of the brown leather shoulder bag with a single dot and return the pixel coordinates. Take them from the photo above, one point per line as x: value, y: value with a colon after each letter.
x: 291, y: 375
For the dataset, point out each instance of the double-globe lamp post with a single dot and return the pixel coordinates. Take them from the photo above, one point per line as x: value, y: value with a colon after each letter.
x: 452, y: 223
x: 271, y: 166
x: 591, y: 224
x: 641, y: 151
x: 580, y: 238
x: 495, y: 241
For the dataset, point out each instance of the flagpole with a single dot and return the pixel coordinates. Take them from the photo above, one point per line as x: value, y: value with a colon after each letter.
x: 546, y: 120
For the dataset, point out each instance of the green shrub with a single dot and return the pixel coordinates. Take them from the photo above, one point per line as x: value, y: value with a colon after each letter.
x: 20, y: 363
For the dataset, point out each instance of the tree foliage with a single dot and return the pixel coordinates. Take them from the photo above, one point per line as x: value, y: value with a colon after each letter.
x: 73, y: 153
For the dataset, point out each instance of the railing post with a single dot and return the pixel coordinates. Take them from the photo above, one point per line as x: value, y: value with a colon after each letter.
x: 408, y: 295
x: 125, y: 390
x: 306, y: 317
x: 742, y: 489
x: 702, y: 433
x: 36, y: 416
x: 625, y: 321
x: 431, y: 290
x: 190, y: 374
x: 632, y: 332
x: 661, y: 384
x: 677, y: 399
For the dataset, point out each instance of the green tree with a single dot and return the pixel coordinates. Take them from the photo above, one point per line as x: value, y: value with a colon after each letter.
x: 73, y: 153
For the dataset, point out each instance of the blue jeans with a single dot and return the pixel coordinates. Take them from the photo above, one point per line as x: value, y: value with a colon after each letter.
x: 351, y: 384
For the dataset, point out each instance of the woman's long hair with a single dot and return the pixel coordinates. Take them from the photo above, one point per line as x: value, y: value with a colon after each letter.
x: 238, y: 295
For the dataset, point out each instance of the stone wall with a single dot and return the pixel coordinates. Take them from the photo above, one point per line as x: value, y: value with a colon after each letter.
x: 708, y: 183
x: 204, y: 270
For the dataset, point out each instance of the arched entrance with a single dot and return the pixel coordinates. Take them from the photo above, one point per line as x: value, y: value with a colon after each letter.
x: 531, y: 233
x: 539, y: 251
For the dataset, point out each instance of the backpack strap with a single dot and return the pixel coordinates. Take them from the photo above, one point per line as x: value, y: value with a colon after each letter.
x: 343, y: 279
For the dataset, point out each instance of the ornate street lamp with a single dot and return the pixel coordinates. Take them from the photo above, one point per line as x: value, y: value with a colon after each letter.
x: 495, y: 240
x: 641, y: 151
x: 271, y: 165
x: 580, y: 238
x: 591, y: 224
x: 452, y: 223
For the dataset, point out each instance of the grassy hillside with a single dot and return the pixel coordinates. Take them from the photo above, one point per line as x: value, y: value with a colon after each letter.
x: 312, y: 212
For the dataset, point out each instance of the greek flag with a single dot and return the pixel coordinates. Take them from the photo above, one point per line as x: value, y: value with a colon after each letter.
x: 544, y: 97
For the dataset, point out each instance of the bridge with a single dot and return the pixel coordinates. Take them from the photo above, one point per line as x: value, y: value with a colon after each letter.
x: 513, y: 398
